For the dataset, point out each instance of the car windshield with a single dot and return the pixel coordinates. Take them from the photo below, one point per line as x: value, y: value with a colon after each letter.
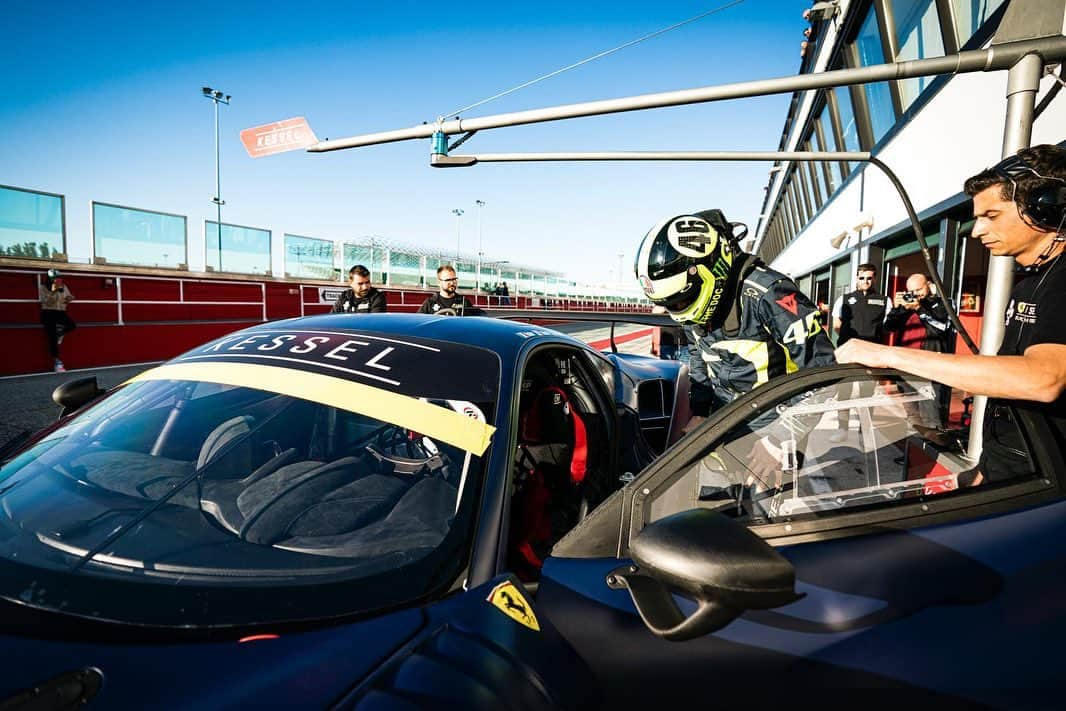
x: 209, y: 474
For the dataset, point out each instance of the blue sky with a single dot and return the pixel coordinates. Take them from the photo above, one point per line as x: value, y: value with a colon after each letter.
x: 102, y: 102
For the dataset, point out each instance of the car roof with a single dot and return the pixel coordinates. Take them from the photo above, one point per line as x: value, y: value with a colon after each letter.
x: 500, y: 335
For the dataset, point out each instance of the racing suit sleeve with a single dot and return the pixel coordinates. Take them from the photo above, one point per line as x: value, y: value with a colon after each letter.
x: 700, y: 393
x: 795, y: 324
x: 378, y: 304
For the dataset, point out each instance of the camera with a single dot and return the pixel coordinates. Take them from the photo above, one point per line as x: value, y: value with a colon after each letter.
x: 909, y: 297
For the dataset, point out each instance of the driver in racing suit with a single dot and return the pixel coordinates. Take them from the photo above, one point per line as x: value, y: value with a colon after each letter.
x: 745, y: 323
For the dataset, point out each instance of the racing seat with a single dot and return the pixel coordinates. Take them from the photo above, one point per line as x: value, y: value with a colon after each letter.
x: 222, y: 435
x: 551, y: 464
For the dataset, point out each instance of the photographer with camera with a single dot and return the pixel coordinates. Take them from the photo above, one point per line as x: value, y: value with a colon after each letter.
x: 919, y: 318
x: 55, y: 296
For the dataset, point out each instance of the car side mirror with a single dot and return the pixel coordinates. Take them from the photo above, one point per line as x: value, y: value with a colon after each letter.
x: 73, y: 394
x: 709, y: 558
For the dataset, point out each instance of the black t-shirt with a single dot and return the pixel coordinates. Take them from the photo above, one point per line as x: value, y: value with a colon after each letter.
x: 1036, y: 314
x: 372, y: 303
x: 458, y: 303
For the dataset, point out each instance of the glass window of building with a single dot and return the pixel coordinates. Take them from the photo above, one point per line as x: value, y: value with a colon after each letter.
x: 31, y: 224
x: 404, y: 268
x: 791, y: 220
x: 796, y: 192
x: 845, y: 114
x: 917, y: 37
x: 244, y: 250
x: 124, y: 235
x: 970, y: 15
x: 870, y: 51
x: 825, y: 137
x: 308, y: 258
x: 817, y: 173
x: 804, y: 173
x: 796, y: 185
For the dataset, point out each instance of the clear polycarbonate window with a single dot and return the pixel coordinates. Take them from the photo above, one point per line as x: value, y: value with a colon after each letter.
x: 856, y: 445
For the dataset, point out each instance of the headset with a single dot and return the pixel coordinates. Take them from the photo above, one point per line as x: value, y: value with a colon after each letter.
x: 1045, y: 205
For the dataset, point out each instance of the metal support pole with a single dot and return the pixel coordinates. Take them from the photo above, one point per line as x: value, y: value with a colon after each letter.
x: 1023, y: 81
x: 218, y: 189
x: 994, y: 58
x: 480, y: 251
x: 458, y: 232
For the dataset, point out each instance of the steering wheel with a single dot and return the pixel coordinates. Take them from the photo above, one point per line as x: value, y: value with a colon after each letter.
x: 446, y: 312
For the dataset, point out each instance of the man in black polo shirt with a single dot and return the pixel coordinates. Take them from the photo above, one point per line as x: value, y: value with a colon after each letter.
x: 446, y: 299
x: 360, y: 297
x: 1020, y: 210
x: 861, y: 313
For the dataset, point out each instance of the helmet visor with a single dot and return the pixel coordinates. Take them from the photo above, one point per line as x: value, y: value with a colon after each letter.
x: 681, y: 300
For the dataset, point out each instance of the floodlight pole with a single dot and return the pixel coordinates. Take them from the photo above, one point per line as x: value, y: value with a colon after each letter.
x: 458, y: 212
x: 480, y: 204
x: 217, y: 97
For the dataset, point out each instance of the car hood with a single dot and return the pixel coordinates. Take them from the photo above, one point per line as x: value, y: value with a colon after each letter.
x: 293, y: 670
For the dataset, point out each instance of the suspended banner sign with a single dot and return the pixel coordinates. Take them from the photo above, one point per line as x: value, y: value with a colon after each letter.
x: 278, y: 137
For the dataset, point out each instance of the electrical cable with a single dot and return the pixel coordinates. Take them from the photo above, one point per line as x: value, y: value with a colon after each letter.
x: 916, y: 225
x: 591, y: 59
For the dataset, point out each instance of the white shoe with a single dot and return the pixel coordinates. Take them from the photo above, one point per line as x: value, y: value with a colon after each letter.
x: 59, y: 366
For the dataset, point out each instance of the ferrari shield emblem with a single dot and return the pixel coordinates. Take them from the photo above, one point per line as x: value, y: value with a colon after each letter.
x: 511, y: 602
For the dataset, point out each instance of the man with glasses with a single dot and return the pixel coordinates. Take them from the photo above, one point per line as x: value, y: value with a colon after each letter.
x: 858, y: 314
x: 446, y: 300
x: 1020, y: 210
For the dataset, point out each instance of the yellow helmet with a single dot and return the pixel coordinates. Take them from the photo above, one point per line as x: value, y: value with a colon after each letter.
x: 684, y: 262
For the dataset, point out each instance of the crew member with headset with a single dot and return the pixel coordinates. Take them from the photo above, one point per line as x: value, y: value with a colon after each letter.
x: 446, y: 299
x: 745, y: 323
x: 360, y: 297
x: 1020, y: 210
x: 54, y: 296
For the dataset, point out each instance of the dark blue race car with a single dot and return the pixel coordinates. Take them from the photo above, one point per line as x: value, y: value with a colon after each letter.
x: 392, y: 511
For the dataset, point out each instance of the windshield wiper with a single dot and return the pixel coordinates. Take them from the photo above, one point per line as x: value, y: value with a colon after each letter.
x: 194, y: 476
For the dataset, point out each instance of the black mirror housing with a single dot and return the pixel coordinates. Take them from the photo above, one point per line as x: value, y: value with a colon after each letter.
x: 73, y: 394
x: 710, y: 558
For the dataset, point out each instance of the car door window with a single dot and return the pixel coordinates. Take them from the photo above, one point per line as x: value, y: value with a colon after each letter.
x: 860, y: 443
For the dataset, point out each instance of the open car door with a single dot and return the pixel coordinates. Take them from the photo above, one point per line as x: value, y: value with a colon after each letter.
x: 808, y: 536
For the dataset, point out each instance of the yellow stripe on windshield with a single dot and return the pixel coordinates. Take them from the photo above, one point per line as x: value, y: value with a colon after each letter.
x: 433, y: 421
